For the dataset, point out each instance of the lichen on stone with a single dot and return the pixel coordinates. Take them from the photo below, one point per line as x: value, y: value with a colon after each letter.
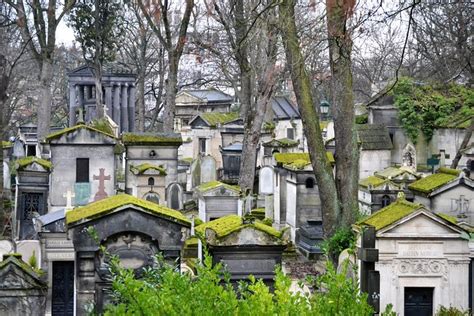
x: 151, y: 139
x: 432, y: 182
x: 107, y: 205
x: 68, y: 130
x: 142, y: 168
x: 204, y: 187
x: 24, y: 162
x: 371, y: 181
x: 215, y: 118
x: 6, y: 144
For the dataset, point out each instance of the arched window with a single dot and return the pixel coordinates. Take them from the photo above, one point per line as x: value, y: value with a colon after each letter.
x: 385, y: 200
x: 151, y: 181
x: 153, y: 197
x: 309, y: 183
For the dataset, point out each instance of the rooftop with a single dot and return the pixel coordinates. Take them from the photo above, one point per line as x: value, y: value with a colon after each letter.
x: 371, y: 181
x: 142, y: 168
x: 297, y: 160
x: 284, y: 109
x: 215, y: 118
x: 6, y: 144
x: 152, y: 139
x: 393, y: 172
x: 204, y: 187
x: 210, y: 95
x: 108, y: 205
x: 373, y: 137
x: 226, y: 225
x: 24, y: 162
x: 281, y: 142
x: 432, y: 182
x: 73, y: 129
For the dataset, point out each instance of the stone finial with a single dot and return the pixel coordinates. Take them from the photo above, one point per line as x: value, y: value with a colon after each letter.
x: 400, y: 196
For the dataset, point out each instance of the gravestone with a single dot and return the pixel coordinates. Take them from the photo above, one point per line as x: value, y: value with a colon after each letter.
x: 175, y: 196
x: 208, y: 169
x: 266, y: 180
x: 196, y: 173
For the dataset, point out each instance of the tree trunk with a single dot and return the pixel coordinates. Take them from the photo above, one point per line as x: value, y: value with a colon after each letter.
x: 464, y: 144
x: 347, y: 153
x: 303, y: 91
x: 44, y: 108
x: 171, y: 87
x: 141, y: 102
x: 99, y: 95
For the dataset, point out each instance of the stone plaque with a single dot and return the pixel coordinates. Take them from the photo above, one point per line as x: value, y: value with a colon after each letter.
x: 208, y: 169
x: 266, y: 180
x: 420, y: 250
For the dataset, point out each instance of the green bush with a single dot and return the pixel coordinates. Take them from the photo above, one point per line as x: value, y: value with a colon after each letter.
x: 164, y: 291
x: 451, y: 311
x: 343, y: 238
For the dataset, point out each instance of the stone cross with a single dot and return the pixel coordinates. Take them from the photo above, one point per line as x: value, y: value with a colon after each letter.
x: 462, y: 206
x: 101, y: 194
x: 369, y: 277
x: 69, y: 195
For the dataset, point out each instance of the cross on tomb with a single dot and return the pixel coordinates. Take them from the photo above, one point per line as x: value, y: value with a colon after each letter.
x: 101, y: 194
x: 69, y: 195
x: 369, y: 277
x: 461, y: 206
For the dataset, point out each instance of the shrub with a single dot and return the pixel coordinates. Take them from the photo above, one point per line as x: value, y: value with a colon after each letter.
x: 451, y: 311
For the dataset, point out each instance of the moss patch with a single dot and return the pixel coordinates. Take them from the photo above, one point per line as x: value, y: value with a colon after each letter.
x: 102, y: 125
x: 22, y: 163
x: 226, y: 225
x: 298, y: 160
x: 371, y: 181
x: 140, y: 169
x: 6, y: 144
x: 434, y: 181
x: 102, y: 207
x: 447, y: 217
x: 204, y: 187
x: 390, y: 214
x: 149, y: 139
x: 282, y: 142
x: 392, y: 172
x: 215, y: 118
x: 68, y: 130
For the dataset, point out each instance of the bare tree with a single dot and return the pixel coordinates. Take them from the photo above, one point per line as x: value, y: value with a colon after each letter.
x: 173, y: 36
x: 38, y: 28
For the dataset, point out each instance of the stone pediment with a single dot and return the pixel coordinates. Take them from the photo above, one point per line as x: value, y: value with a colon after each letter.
x: 217, y: 188
x: 16, y: 274
x: 422, y: 224
x: 184, y: 98
x: 81, y: 134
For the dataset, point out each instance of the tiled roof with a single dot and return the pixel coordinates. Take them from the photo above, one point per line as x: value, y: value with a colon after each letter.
x: 210, y: 95
x: 284, y: 109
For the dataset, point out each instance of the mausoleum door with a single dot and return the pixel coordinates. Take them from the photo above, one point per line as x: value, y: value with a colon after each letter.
x: 418, y: 301
x: 63, y: 288
x: 32, y: 204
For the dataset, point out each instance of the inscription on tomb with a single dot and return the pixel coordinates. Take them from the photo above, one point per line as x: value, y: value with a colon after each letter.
x: 420, y: 250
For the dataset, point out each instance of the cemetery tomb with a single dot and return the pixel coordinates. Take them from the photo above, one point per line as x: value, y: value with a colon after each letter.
x: 423, y: 258
x: 217, y: 199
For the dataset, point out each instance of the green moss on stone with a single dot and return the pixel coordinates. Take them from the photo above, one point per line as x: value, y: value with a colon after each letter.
x: 434, y: 181
x: 6, y: 144
x: 22, y: 163
x: 447, y: 217
x: 259, y: 210
x: 268, y: 126
x: 288, y: 158
x: 68, y: 130
x: 204, y: 187
x: 226, y: 225
x: 112, y: 203
x: 149, y: 139
x: 102, y: 125
x: 371, y: 181
x: 390, y: 214
x: 215, y: 118
x: 140, y: 169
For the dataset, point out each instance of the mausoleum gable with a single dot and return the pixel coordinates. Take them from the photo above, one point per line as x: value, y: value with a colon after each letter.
x: 142, y: 168
x: 211, y: 185
x: 112, y: 203
x: 372, y: 181
x: 23, y: 163
x: 152, y: 139
x: 432, y: 182
x: 72, y: 129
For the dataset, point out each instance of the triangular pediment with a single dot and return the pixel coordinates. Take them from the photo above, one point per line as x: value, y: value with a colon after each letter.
x: 422, y: 224
x: 184, y: 97
x: 81, y: 134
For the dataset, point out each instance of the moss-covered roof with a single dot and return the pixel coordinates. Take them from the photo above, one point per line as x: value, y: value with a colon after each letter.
x: 390, y: 214
x: 24, y: 162
x: 281, y: 142
x: 215, y: 118
x: 72, y: 129
x: 204, y: 187
x: 447, y: 217
x: 105, y: 206
x: 392, y: 172
x: 226, y: 225
x: 372, y: 181
x: 434, y: 181
x: 140, y: 169
x: 6, y: 144
x: 151, y: 139
x: 298, y: 160
x: 15, y: 258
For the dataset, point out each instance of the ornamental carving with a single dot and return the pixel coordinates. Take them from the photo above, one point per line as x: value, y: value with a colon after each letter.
x: 422, y: 267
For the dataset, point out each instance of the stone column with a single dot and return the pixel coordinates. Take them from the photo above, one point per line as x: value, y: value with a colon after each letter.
x: 131, y: 108
x: 116, y: 110
x: 124, y: 109
x: 108, y: 100
x: 72, y: 104
x: 81, y: 97
x: 85, y: 281
x: 88, y: 92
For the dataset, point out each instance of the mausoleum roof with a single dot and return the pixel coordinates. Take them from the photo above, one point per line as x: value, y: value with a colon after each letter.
x: 226, y: 225
x: 75, y: 128
x: 393, y: 172
x: 211, y: 185
x: 372, y: 181
x: 24, y: 162
x: 373, y: 137
x: 432, y: 182
x: 6, y: 144
x: 297, y: 161
x: 152, y: 139
x: 210, y: 95
x: 281, y: 142
x: 390, y: 214
x: 142, y: 168
x: 108, y: 205
x: 215, y: 118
